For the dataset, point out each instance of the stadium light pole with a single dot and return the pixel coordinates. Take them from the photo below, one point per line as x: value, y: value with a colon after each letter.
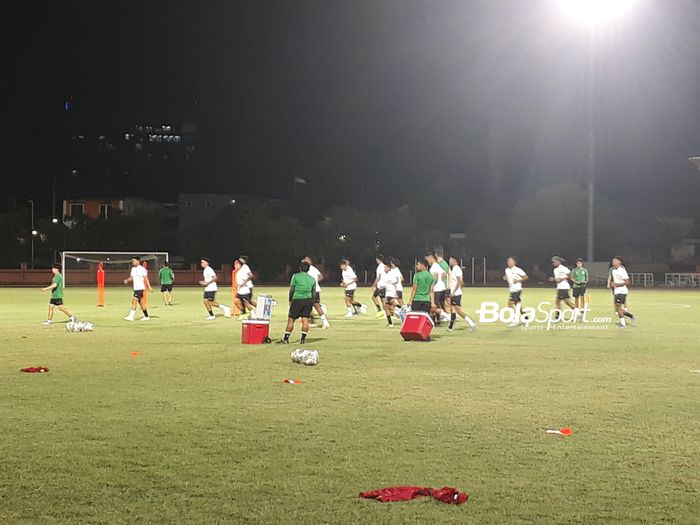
x: 33, y: 231
x: 592, y: 15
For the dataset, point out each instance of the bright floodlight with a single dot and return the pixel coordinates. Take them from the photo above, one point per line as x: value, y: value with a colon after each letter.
x: 595, y: 12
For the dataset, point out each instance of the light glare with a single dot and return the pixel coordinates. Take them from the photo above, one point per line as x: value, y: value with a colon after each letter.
x: 594, y: 12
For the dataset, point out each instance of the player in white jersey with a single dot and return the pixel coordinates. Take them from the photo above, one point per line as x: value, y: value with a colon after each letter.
x: 515, y: 277
x: 318, y: 277
x: 395, y: 267
x: 440, y: 288
x: 561, y: 276
x: 349, y: 283
x: 620, y: 280
x: 244, y: 286
x: 209, y: 279
x: 456, y: 283
x: 378, y: 288
x: 391, y: 281
x: 139, y: 278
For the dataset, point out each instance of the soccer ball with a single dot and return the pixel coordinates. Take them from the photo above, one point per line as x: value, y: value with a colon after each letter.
x: 305, y: 357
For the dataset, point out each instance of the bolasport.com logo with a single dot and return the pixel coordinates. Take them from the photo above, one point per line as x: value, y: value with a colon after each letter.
x: 545, y: 316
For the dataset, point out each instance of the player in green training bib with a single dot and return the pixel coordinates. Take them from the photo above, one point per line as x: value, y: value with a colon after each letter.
x: 422, y: 295
x: 579, y: 277
x: 56, y: 289
x: 166, y: 276
x: 301, y: 301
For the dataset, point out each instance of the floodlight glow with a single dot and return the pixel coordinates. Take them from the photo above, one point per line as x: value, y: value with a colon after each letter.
x: 54, y: 220
x: 34, y: 232
x: 595, y: 12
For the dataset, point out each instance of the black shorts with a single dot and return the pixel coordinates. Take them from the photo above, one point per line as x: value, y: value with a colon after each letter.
x: 456, y: 300
x: 514, y: 297
x: 166, y: 287
x: 440, y: 297
x: 579, y: 291
x: 350, y: 293
x: 317, y: 297
x: 56, y: 302
x: 300, y: 308
x: 244, y: 296
x: 390, y: 300
x: 210, y: 296
x: 138, y: 294
x: 563, y: 294
x: 621, y: 298
x: 379, y: 292
x: 420, y: 306
x: 399, y: 294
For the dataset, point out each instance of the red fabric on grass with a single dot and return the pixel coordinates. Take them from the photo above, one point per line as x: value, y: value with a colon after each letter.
x: 448, y: 495
x: 34, y: 369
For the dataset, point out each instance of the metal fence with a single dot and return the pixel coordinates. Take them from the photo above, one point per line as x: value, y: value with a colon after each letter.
x: 682, y: 280
x: 645, y: 279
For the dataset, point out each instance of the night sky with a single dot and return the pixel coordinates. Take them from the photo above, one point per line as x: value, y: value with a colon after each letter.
x: 457, y: 103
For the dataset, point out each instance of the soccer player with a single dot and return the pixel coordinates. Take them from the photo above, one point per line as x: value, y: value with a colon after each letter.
x: 139, y: 279
x: 456, y: 283
x: 422, y: 297
x: 579, y: 276
x: 515, y: 277
x: 349, y: 282
x: 446, y: 268
x: 210, y: 288
x: 302, y: 289
x: 56, y: 300
x: 244, y: 286
x: 620, y: 281
x: 440, y: 288
x: 378, y: 288
x: 318, y: 277
x: 395, y: 267
x: 391, y: 281
x: 561, y: 276
x: 166, y: 276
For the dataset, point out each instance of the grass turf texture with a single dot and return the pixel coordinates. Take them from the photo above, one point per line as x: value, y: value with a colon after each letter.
x: 200, y: 429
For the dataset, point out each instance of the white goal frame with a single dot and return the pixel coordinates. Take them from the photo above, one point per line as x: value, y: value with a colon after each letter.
x: 76, y: 254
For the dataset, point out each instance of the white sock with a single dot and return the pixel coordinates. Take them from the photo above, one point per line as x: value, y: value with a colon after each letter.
x: 622, y: 320
x: 324, y: 318
x: 350, y: 309
x: 469, y: 321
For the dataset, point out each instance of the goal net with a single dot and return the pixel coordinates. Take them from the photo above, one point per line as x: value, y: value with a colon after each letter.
x: 80, y: 268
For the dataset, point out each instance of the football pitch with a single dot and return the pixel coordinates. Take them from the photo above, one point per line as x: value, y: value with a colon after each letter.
x: 197, y: 428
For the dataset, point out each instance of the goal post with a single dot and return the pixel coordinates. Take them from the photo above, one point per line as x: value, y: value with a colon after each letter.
x: 81, y: 266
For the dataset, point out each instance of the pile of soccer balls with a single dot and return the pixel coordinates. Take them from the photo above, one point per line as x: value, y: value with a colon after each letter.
x: 79, y: 326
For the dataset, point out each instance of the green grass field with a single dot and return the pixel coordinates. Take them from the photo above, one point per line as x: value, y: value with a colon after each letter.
x: 200, y: 429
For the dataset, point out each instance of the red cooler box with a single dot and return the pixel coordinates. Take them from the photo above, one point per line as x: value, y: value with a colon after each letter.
x: 416, y: 326
x: 255, y: 332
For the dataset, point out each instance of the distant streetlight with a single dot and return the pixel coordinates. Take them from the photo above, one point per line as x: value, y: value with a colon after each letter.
x: 54, y: 220
x: 34, y: 232
x: 592, y: 14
